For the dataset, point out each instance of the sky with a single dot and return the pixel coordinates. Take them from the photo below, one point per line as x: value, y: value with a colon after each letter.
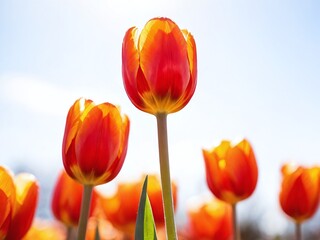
x: 258, y: 78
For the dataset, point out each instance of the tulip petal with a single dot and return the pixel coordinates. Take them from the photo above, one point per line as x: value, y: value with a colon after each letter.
x: 192, y: 58
x: 7, y: 200
x: 242, y: 172
x: 92, y: 141
x: 163, y: 58
x: 66, y: 200
x: 5, y: 217
x: 295, y: 205
x: 231, y: 171
x: 27, y: 191
x: 75, y: 115
x: 300, y: 193
x: 192, y: 54
x: 159, y: 68
x: 130, y: 67
x: 218, y: 173
x: 42, y: 229
x: 70, y: 160
x: 98, y: 140
x: 7, y: 184
x: 115, y: 168
x: 214, y: 179
x: 211, y: 220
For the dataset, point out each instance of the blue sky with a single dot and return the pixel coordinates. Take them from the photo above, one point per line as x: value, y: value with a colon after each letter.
x: 258, y: 64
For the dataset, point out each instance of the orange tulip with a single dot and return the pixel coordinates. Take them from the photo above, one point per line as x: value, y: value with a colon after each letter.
x: 66, y: 200
x: 27, y: 191
x: 122, y: 208
x: 95, y: 142
x: 105, y: 229
x: 210, y: 220
x: 159, y: 66
x: 45, y: 230
x: 7, y: 200
x: 231, y: 171
x: 300, y: 192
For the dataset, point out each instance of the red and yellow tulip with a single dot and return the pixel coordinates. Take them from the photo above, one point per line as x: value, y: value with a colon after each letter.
x: 18, y: 202
x: 66, y: 200
x: 210, y: 220
x: 159, y: 66
x: 121, y: 209
x: 45, y: 230
x: 231, y: 171
x: 105, y: 229
x: 95, y: 142
x: 300, y: 192
x: 7, y: 200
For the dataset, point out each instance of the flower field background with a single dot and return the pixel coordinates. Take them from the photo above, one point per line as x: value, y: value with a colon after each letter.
x: 257, y: 78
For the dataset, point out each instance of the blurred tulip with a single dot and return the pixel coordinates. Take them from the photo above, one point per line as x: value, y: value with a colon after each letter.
x: 66, y: 200
x: 159, y: 66
x: 211, y: 220
x: 95, y: 142
x: 45, y: 230
x: 300, y: 192
x: 105, y: 229
x: 121, y: 209
x: 231, y: 171
x: 27, y: 191
x: 7, y: 200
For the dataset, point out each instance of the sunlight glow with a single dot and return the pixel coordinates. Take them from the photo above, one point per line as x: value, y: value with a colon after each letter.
x: 222, y: 163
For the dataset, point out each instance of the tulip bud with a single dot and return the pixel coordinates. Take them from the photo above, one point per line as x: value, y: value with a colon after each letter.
x: 159, y: 66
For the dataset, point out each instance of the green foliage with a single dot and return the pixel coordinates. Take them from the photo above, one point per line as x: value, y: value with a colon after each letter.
x: 145, y: 227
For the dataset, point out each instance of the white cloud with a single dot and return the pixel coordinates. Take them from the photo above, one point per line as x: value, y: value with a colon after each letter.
x: 36, y: 94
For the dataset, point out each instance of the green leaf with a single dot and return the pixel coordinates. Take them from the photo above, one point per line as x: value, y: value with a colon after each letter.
x: 145, y: 227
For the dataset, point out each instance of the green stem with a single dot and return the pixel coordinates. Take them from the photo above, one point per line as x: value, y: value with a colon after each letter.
x: 85, y: 207
x: 236, y: 232
x: 165, y: 176
x: 298, y: 231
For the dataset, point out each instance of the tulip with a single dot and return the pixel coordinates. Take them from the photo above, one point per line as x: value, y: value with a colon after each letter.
x: 159, y: 66
x: 103, y: 228
x: 211, y: 219
x: 94, y: 148
x: 7, y: 200
x: 300, y: 193
x: 95, y: 142
x: 45, y: 230
x: 66, y: 201
x: 159, y: 71
x: 27, y: 192
x: 231, y: 172
x: 123, y: 213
